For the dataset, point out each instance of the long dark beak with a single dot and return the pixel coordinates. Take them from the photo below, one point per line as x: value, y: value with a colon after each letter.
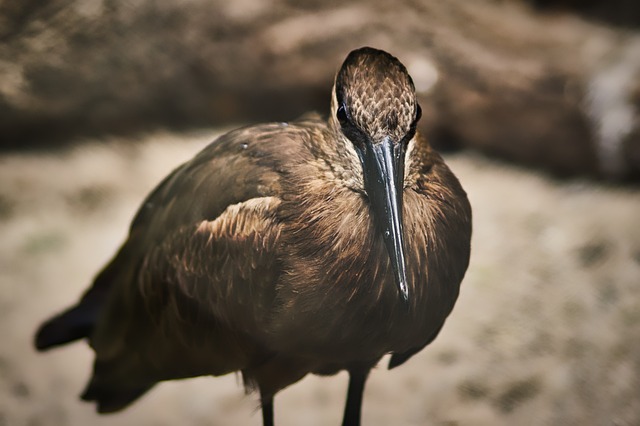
x: 383, y: 169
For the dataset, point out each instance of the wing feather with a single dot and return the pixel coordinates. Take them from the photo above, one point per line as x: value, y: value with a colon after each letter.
x: 200, y: 266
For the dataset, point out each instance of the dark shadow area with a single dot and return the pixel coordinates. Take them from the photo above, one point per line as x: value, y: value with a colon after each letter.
x: 625, y: 13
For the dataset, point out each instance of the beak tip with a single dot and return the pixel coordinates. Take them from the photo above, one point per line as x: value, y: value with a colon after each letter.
x: 404, y: 293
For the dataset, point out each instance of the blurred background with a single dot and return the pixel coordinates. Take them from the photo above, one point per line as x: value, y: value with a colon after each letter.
x: 536, y: 105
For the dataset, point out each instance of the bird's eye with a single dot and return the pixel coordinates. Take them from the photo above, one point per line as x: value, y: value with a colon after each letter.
x: 342, y: 114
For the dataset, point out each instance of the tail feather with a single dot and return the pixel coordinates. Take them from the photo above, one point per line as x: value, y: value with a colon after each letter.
x: 109, y: 399
x: 78, y: 321
x: 73, y: 324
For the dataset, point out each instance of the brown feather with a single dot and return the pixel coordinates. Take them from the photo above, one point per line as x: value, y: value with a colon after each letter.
x: 262, y: 255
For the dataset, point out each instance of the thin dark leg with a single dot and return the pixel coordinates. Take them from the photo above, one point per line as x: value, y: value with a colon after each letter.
x: 267, y: 410
x: 357, y: 379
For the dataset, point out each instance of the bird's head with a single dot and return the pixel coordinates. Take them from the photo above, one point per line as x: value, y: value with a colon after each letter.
x: 374, y: 107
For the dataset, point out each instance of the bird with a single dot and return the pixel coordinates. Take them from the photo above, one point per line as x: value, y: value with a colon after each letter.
x: 280, y: 250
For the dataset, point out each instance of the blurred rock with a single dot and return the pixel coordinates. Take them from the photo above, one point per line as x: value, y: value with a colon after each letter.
x: 546, y: 89
x: 616, y: 12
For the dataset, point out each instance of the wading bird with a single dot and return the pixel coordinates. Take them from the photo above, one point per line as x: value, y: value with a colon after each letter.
x: 284, y: 249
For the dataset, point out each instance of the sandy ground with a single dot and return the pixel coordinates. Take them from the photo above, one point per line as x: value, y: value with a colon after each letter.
x: 546, y: 331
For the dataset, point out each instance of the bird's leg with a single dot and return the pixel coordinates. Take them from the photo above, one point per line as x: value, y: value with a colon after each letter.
x: 267, y: 410
x: 357, y: 379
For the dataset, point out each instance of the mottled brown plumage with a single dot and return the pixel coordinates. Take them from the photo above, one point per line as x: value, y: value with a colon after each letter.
x: 278, y: 252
